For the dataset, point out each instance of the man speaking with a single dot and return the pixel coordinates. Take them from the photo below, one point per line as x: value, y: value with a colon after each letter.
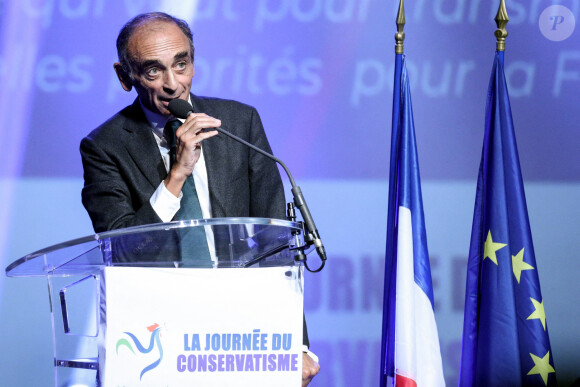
x: 141, y: 166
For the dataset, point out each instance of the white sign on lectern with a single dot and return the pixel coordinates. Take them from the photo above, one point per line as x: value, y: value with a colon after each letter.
x: 202, y: 327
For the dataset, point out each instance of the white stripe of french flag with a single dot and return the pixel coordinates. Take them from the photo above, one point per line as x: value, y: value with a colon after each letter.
x: 417, y: 354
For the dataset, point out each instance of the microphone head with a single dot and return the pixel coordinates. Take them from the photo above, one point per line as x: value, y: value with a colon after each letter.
x: 180, y: 108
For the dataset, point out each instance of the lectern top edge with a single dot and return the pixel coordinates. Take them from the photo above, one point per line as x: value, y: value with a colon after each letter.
x: 53, y: 257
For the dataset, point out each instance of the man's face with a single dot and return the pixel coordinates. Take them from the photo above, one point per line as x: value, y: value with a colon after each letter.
x: 162, y: 65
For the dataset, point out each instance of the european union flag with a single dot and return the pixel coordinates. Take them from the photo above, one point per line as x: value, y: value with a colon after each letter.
x: 505, y: 335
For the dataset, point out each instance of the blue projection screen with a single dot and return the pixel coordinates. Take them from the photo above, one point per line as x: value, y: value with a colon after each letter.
x: 320, y: 72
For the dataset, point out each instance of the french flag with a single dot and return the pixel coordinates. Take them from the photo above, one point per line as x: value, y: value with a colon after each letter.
x: 410, y: 354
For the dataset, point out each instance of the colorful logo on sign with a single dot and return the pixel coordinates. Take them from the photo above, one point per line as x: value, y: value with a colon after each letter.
x: 154, y: 342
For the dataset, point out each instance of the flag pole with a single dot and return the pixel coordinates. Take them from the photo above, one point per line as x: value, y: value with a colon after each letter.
x: 501, y: 20
x: 400, y: 35
x: 410, y: 353
x: 504, y: 324
x: 389, y: 304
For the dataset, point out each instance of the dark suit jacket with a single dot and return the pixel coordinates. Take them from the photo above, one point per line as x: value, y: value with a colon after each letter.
x: 123, y: 168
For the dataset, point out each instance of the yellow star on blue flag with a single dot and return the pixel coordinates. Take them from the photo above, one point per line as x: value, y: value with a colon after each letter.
x: 491, y: 247
x: 539, y: 312
x: 542, y: 367
x: 519, y: 265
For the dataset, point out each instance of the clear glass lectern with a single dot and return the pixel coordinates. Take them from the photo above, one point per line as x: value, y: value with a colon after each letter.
x: 74, y: 271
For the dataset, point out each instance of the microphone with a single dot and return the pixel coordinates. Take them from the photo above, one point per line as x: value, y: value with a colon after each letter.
x: 181, y: 109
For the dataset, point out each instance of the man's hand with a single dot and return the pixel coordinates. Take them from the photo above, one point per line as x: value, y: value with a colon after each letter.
x: 309, y: 369
x: 189, y: 138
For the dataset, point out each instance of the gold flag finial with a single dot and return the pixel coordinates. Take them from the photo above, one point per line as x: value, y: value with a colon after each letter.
x: 400, y: 35
x: 501, y: 20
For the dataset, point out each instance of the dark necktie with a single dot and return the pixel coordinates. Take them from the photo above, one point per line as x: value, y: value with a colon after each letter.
x: 194, y: 249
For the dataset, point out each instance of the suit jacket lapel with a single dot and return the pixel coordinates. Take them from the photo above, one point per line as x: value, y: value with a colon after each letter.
x: 142, y: 147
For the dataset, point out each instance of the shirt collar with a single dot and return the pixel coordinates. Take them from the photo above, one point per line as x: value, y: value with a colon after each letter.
x: 158, y: 121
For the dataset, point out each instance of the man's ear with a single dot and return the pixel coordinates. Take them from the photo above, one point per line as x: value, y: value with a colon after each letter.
x: 123, y: 77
